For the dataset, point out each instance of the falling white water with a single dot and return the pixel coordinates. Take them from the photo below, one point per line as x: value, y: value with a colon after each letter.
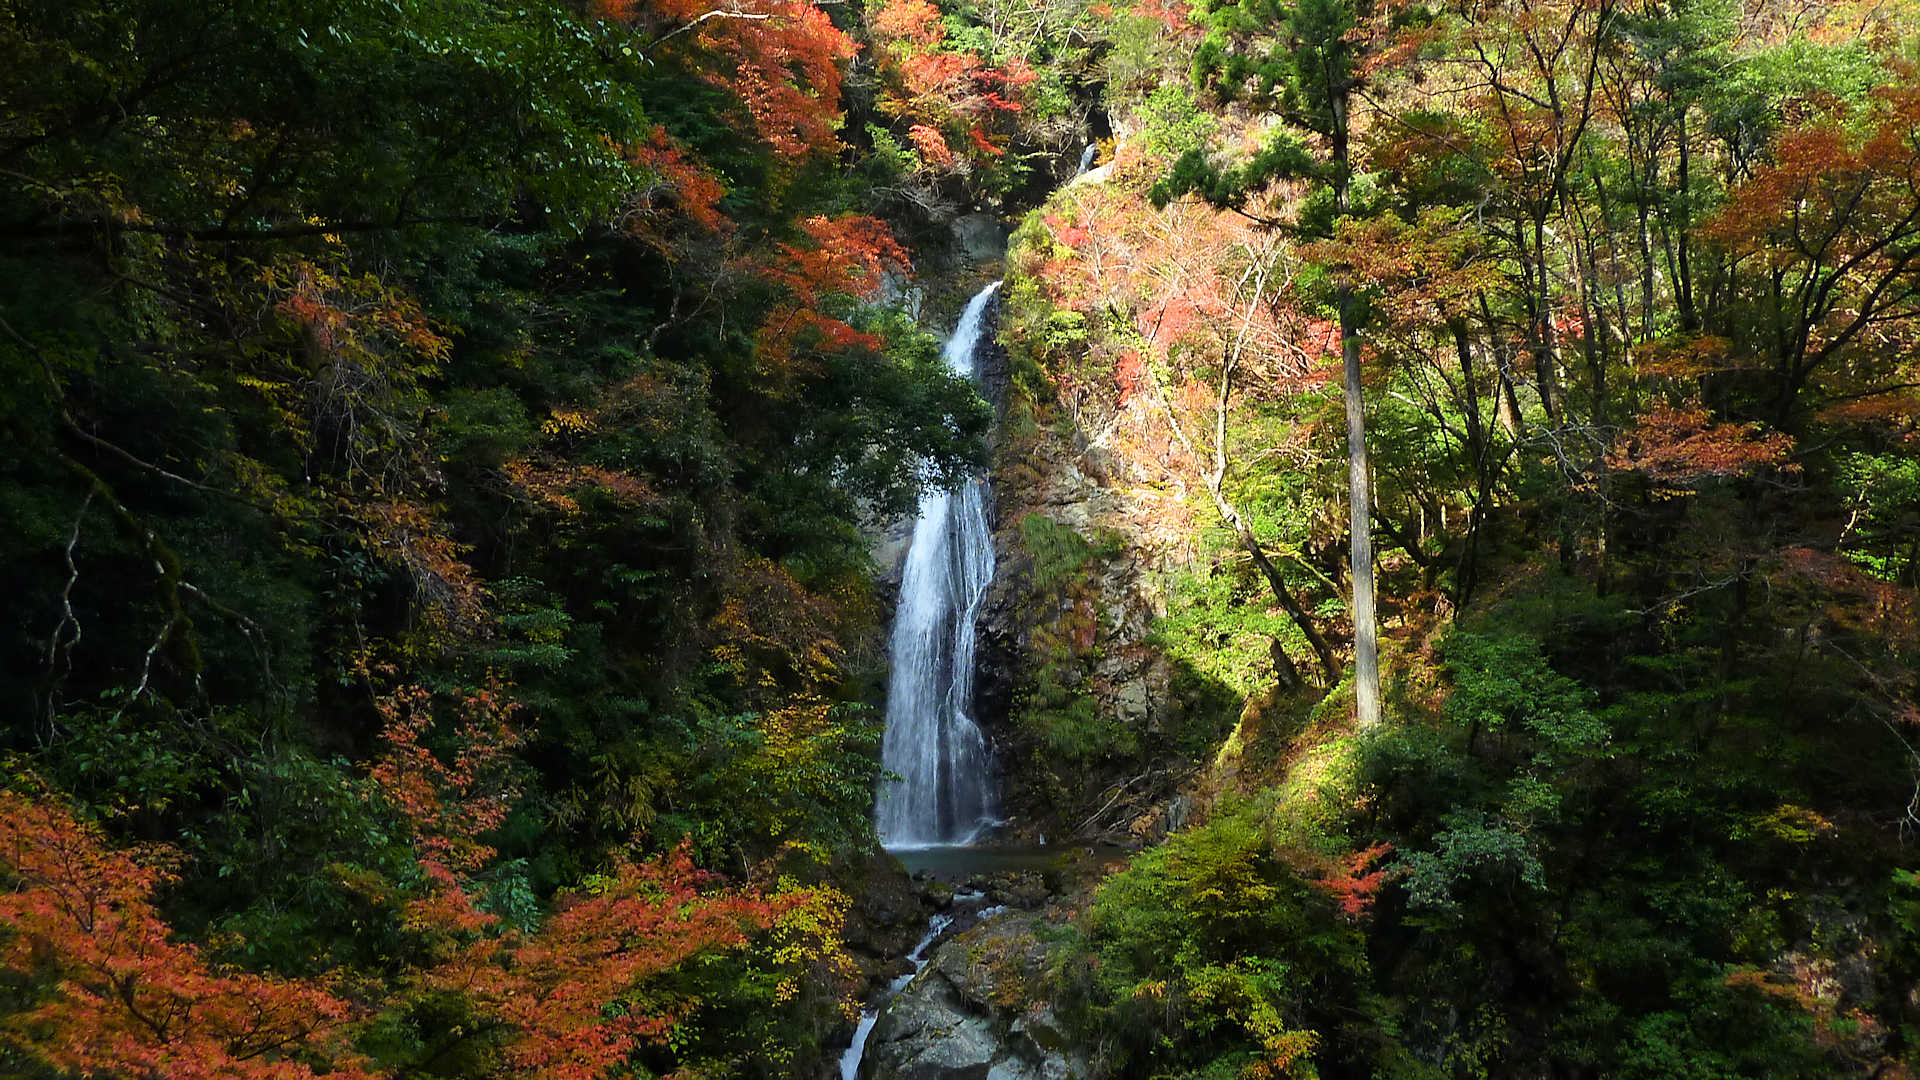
x: 932, y: 741
x: 1086, y: 159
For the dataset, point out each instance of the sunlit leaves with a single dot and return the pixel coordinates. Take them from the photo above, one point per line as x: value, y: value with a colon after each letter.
x: 955, y: 101
x: 780, y: 58
x: 1683, y: 444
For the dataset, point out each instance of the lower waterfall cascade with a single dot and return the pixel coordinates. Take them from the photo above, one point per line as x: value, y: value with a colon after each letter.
x: 932, y: 743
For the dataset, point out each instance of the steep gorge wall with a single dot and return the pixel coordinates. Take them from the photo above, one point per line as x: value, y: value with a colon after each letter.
x: 1099, y: 731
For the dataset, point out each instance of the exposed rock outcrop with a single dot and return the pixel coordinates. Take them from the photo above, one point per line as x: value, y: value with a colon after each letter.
x: 1082, y: 704
x: 976, y: 1013
x: 887, y: 917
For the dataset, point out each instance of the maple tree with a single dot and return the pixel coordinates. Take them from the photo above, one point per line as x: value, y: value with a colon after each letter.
x: 1824, y: 240
x: 439, y: 437
x: 780, y: 58
x: 111, y: 992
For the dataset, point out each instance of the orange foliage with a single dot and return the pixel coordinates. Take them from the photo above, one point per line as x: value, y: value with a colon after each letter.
x: 1128, y: 370
x: 792, y: 333
x: 1064, y: 231
x: 677, y: 184
x: 110, y: 994
x: 352, y: 316
x: 1806, y: 984
x: 114, y: 996
x: 449, y: 804
x: 1175, y: 17
x: 849, y: 254
x: 1830, y: 194
x: 946, y: 93
x: 555, y: 484
x: 772, y: 632
x: 909, y: 22
x: 1354, y: 886
x: 408, y: 535
x: 1849, y: 597
x: 941, y: 87
x: 551, y: 991
x: 1834, y: 221
x: 559, y: 996
x: 1425, y: 271
x: 932, y: 145
x: 784, y: 67
x: 1687, y: 358
x: 1899, y: 412
x: 984, y: 144
x: 1683, y: 444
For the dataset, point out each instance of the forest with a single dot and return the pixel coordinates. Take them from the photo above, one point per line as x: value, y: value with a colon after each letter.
x: 1446, y: 479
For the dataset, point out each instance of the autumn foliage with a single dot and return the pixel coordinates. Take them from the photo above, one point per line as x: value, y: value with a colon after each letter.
x: 114, y: 994
x: 560, y: 996
x: 780, y: 58
x: 1682, y: 444
x: 1358, y: 879
x: 841, y: 258
x: 566, y: 1002
x: 956, y: 104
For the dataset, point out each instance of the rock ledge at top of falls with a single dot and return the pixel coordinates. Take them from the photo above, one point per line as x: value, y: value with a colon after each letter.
x: 971, y: 1014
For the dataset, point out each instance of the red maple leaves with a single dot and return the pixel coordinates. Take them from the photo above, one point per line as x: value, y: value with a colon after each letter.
x: 566, y: 1003
x: 1682, y: 444
x: 951, y: 96
x: 450, y: 805
x: 847, y: 256
x: 780, y: 58
x: 114, y: 994
x: 676, y: 183
x: 1353, y: 885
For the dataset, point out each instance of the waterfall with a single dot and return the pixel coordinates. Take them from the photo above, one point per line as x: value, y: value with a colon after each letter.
x: 931, y: 740
x: 1086, y: 159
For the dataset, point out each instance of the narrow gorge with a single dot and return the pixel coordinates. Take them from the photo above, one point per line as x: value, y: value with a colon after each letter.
x: 812, y: 539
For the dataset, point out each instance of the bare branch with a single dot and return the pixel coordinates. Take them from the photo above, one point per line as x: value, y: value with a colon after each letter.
x: 717, y: 13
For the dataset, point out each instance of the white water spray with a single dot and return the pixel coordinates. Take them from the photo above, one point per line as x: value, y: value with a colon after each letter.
x: 932, y: 741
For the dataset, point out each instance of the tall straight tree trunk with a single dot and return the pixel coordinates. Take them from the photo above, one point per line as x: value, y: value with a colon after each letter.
x: 1366, y: 645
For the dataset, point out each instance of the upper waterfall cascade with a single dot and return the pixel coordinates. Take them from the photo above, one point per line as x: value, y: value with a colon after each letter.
x: 932, y: 741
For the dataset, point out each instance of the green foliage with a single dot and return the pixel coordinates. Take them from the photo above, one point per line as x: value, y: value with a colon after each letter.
x: 1061, y: 555
x: 1056, y: 707
x: 1213, y: 951
x: 1283, y: 155
x: 1219, y: 624
x: 360, y: 343
x: 1501, y: 682
x: 1885, y: 531
x: 1493, y: 856
x: 1721, y: 1033
x: 1173, y: 123
x: 354, y: 341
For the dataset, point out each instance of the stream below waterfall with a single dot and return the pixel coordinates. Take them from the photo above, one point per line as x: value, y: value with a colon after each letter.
x: 869, y: 1016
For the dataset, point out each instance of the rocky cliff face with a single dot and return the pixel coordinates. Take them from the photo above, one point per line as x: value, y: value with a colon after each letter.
x: 1093, y: 724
